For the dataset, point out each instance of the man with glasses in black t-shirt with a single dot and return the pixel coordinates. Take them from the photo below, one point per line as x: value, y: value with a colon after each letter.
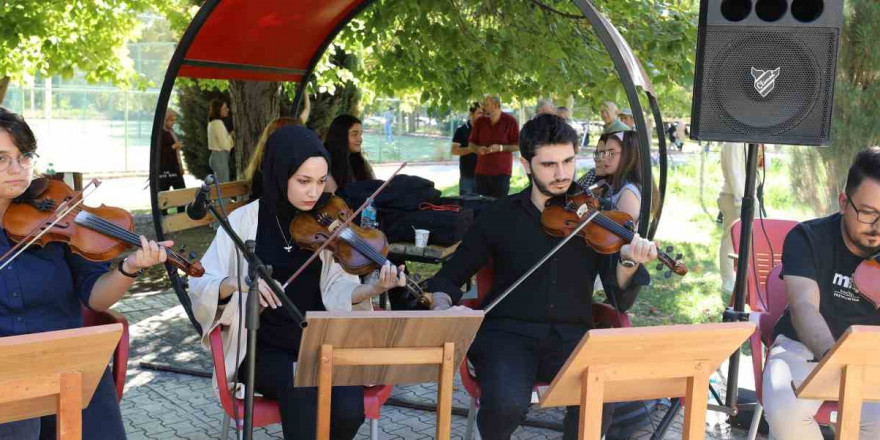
x: 530, y: 334
x: 819, y: 258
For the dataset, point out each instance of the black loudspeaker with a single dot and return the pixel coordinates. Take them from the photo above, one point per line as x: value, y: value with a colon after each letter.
x: 765, y: 71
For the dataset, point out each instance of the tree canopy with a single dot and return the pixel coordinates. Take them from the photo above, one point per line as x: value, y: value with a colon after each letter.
x: 447, y: 52
x: 61, y: 37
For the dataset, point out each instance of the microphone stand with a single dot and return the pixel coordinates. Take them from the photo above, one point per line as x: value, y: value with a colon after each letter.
x: 256, y: 270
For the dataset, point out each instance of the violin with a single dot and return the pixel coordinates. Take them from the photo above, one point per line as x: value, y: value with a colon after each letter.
x: 867, y: 279
x: 358, y: 250
x: 606, y: 233
x: 50, y: 211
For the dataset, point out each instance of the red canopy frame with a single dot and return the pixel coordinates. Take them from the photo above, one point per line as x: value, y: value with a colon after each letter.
x: 283, y: 40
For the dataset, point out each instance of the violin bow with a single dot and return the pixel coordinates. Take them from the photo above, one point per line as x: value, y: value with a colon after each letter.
x: 340, y: 228
x: 64, y: 208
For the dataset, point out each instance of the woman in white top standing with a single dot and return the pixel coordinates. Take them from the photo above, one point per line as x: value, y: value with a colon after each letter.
x: 219, y: 140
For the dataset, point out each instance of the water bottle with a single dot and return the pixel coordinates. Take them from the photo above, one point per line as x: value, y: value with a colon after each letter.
x: 50, y: 169
x: 368, y: 216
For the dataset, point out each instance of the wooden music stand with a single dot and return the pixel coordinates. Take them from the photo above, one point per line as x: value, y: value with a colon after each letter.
x: 367, y: 348
x: 54, y: 373
x: 624, y: 364
x: 849, y: 374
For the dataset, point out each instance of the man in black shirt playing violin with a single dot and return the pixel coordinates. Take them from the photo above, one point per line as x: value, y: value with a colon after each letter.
x: 819, y: 258
x: 530, y: 334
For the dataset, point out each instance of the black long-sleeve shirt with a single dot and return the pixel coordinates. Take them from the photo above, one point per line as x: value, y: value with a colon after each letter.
x: 509, y: 237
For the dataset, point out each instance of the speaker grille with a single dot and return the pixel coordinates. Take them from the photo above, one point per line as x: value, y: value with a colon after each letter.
x: 795, y: 110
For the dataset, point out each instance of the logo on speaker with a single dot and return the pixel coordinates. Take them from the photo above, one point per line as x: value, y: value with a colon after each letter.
x: 765, y: 80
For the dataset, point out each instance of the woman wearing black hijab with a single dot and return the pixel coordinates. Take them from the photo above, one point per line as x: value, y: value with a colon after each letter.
x: 295, y: 170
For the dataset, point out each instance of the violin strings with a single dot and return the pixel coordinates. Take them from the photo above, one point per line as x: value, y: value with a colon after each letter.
x: 103, y: 226
x: 364, y: 248
x: 624, y: 233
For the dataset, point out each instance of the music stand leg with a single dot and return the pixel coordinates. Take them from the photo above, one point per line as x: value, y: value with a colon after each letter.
x: 695, y: 402
x: 325, y: 390
x: 850, y: 414
x: 592, y: 393
x: 444, y: 392
x: 69, y: 425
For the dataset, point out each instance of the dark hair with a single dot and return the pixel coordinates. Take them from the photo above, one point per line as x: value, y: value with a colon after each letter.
x: 865, y: 165
x: 630, y: 168
x: 18, y: 129
x: 543, y: 130
x: 474, y: 107
x: 214, y: 109
x: 345, y: 166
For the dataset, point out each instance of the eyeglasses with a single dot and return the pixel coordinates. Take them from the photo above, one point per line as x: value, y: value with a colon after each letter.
x: 26, y: 161
x: 603, y: 155
x: 864, y: 217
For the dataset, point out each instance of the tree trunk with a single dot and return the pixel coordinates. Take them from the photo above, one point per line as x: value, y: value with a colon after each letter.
x: 254, y: 104
x: 4, y: 85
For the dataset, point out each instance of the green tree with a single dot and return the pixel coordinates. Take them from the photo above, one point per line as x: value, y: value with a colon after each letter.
x: 61, y: 37
x: 819, y: 174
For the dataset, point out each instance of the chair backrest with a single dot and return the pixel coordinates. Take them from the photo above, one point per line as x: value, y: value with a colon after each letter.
x: 220, y: 369
x: 768, y: 235
x: 120, y: 355
x: 776, y: 302
x: 485, y: 278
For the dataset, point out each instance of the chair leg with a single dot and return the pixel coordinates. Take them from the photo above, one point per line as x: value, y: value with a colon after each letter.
x: 471, y: 420
x: 224, y: 433
x: 374, y: 429
x: 756, y: 421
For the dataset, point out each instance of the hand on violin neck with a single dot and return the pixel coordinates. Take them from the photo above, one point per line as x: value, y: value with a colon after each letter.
x: 639, y: 250
x: 150, y: 254
x: 389, y: 278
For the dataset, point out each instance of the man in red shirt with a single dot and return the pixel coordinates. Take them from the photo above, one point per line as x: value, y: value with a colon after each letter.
x: 494, y: 137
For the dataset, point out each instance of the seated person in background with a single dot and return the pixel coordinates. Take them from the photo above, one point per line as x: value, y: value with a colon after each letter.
x: 544, y: 107
x: 626, y: 116
x: 609, y: 114
x: 619, y: 163
x: 252, y: 173
x: 348, y: 164
x: 819, y: 257
x: 564, y: 113
x: 528, y: 337
x: 295, y: 169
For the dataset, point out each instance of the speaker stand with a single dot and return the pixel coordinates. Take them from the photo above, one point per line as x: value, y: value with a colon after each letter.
x: 737, y: 313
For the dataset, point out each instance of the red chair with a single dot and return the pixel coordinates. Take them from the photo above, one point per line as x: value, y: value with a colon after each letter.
x: 120, y: 356
x: 603, y: 316
x: 774, y: 296
x: 266, y: 411
x: 767, y: 234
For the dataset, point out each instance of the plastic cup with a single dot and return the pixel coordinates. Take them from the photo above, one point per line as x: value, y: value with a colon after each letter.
x: 422, y: 237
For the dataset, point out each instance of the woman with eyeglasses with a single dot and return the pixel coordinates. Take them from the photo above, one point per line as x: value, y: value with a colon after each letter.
x: 618, y: 162
x: 32, y: 302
